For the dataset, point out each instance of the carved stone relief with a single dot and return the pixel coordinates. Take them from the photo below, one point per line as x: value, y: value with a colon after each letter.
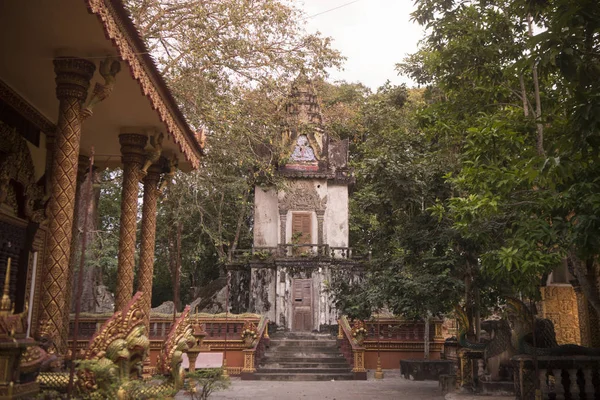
x: 302, y: 196
x: 560, y: 306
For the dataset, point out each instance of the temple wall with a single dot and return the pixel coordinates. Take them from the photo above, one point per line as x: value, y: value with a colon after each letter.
x: 262, y: 292
x: 323, y: 312
x: 336, y: 216
x: 559, y: 305
x: 266, y: 218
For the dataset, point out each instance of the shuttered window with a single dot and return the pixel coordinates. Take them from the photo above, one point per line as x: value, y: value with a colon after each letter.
x: 302, y: 227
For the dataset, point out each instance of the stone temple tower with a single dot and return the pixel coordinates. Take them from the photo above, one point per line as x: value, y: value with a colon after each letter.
x: 301, y: 227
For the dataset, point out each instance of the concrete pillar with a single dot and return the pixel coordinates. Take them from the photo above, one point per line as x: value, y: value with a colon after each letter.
x: 320, y: 218
x: 148, y: 239
x: 72, y: 82
x: 132, y: 156
x: 282, y: 229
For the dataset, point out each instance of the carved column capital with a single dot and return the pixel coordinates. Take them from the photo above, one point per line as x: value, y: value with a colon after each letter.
x: 73, y: 77
x: 132, y: 148
x: 153, y: 176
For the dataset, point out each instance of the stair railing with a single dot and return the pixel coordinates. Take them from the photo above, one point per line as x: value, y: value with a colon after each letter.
x: 352, y: 351
x: 560, y: 377
x: 256, y: 351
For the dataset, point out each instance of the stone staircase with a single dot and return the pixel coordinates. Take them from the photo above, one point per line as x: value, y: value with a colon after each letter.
x: 303, y: 357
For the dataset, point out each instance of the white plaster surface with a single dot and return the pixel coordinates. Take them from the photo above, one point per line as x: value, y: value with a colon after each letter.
x: 266, y: 218
x: 336, y: 216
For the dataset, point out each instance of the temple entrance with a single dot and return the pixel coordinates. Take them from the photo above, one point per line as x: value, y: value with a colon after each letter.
x: 302, y: 306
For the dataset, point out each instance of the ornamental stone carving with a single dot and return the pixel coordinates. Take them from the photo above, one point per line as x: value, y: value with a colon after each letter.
x: 302, y: 196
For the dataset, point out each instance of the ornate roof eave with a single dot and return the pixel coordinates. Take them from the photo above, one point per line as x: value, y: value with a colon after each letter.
x: 306, y: 174
x: 119, y: 28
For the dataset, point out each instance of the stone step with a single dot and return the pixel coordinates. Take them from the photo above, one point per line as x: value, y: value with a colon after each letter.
x: 303, y: 377
x: 287, y: 359
x: 302, y: 343
x: 287, y: 351
x: 304, y: 370
x: 303, y: 357
x: 301, y: 335
x: 285, y: 365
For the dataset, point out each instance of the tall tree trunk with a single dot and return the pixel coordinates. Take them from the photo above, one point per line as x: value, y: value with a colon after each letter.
x: 426, y: 338
x: 469, y: 304
x: 524, y: 96
x: 176, y: 267
x: 538, y: 103
x: 477, y: 312
x: 88, y: 295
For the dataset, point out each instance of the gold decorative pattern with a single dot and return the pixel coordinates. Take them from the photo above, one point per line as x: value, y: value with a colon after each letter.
x: 359, y: 361
x: 113, y: 25
x: 39, y: 241
x: 148, y: 233
x: 132, y: 150
x: 559, y: 305
x: 72, y: 78
x: 248, y: 361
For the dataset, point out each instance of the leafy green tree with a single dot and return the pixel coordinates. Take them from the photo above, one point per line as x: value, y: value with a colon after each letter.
x: 519, y: 111
x: 229, y: 64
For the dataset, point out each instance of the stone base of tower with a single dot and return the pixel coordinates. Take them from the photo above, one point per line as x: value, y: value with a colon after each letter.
x: 291, y: 293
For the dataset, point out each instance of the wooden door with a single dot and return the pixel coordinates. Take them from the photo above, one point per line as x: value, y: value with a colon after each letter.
x: 301, y: 231
x: 302, y: 305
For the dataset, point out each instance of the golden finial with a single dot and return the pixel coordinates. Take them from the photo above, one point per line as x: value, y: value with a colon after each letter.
x: 5, y: 303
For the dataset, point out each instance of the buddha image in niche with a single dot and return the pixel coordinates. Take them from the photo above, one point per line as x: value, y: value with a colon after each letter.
x: 303, y: 151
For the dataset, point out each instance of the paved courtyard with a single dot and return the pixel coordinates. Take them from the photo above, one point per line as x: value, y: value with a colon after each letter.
x: 391, y: 387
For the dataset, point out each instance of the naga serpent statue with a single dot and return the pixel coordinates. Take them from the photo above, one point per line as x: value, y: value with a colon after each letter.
x: 521, y: 317
x: 500, y: 342
x: 115, y: 355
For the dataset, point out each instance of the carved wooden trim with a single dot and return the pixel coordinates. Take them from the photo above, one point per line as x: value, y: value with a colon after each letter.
x: 27, y: 111
x: 135, y: 54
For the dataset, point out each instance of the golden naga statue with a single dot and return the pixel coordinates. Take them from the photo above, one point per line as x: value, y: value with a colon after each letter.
x: 115, y: 355
x: 180, y: 340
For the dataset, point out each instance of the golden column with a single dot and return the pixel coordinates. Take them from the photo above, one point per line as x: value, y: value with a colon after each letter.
x: 148, y: 233
x: 72, y: 81
x: 133, y: 157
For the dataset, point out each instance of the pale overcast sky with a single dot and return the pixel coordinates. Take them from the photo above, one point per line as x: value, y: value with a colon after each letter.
x: 373, y: 35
